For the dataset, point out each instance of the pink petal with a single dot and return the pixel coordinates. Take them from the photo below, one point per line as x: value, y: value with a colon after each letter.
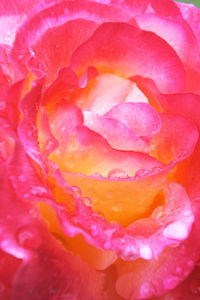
x: 168, y: 8
x: 103, y: 92
x: 192, y: 15
x: 140, y: 117
x: 47, y: 268
x: 116, y: 133
x: 64, y: 119
x: 144, y: 279
x: 117, y: 198
x: 103, y: 158
x: 133, y: 6
x: 176, y: 139
x: 110, y: 50
x: 64, y: 84
x: 27, y: 127
x: 55, y: 31
x: 182, y: 40
x: 12, y: 15
x: 47, y: 142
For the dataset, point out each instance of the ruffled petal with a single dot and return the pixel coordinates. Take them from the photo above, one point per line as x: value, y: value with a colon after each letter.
x: 43, y: 270
x: 102, y: 158
x: 144, y: 279
x: 176, y: 140
x: 111, y: 50
x: 56, y: 30
x: 116, y: 133
x: 121, y: 200
x: 102, y: 93
x: 182, y: 39
x: 192, y: 15
x: 140, y: 117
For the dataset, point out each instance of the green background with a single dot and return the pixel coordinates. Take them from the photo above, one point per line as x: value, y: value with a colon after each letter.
x: 196, y: 2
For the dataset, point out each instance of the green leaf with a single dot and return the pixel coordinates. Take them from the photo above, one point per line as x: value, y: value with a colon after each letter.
x: 195, y: 2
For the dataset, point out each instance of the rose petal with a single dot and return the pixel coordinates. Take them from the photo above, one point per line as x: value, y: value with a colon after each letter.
x: 64, y: 84
x: 155, y: 277
x: 140, y: 117
x: 24, y: 236
x: 60, y: 29
x: 102, y: 93
x: 12, y: 15
x: 63, y: 121
x: 27, y: 128
x: 182, y: 39
x: 121, y: 200
x: 168, y: 8
x: 116, y: 133
x: 110, y: 50
x: 170, y: 143
x: 102, y: 158
x: 53, y: 271
x: 47, y: 142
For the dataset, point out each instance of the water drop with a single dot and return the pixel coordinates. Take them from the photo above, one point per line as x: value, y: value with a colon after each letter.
x: 146, y: 252
x: 147, y: 290
x: 176, y: 230
x: 157, y: 212
x: 171, y: 282
x: 96, y: 174
x: 88, y: 201
x: 94, y: 230
x: 50, y: 145
x: 31, y: 51
x: 22, y: 178
x: 141, y: 173
x: 179, y: 271
x: 156, y: 170
x: 106, y: 245
x: 76, y: 191
x: 28, y: 237
x: 26, y: 196
x: 38, y: 190
x: 117, y: 173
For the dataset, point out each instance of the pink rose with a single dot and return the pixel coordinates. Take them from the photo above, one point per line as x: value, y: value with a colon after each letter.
x: 99, y: 150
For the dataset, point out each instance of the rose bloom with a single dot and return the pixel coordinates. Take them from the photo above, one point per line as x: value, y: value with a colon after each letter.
x: 99, y: 150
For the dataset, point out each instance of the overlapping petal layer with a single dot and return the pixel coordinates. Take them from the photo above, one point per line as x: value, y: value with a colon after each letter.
x: 99, y: 138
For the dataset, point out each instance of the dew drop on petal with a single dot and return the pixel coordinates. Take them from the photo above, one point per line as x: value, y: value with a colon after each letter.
x: 76, y: 191
x: 176, y: 230
x: 26, y: 196
x: 157, y: 212
x: 179, y: 271
x: 28, y: 237
x: 117, y: 173
x: 106, y: 245
x: 22, y: 178
x: 147, y: 290
x: 88, y: 202
x: 146, y: 252
x: 38, y: 190
x: 141, y: 173
x: 171, y: 282
x: 94, y: 230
